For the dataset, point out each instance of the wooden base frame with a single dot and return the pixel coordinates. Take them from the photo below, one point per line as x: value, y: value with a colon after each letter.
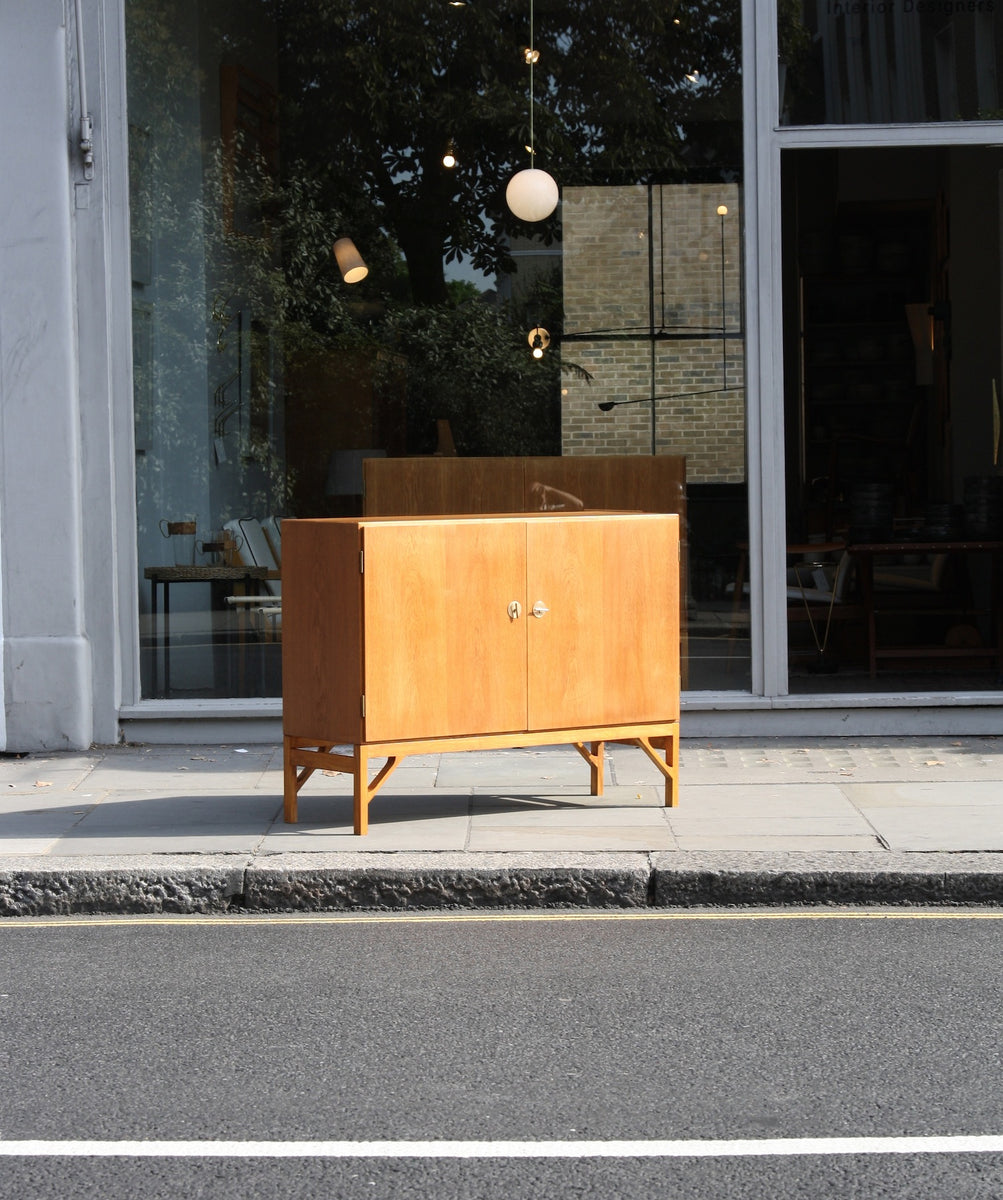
x: 303, y: 756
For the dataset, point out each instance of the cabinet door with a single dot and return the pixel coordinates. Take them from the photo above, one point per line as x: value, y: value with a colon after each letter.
x: 607, y: 651
x: 443, y: 657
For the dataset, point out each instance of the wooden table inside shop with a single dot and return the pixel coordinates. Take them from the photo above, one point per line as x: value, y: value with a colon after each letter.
x: 876, y: 602
x: 239, y: 578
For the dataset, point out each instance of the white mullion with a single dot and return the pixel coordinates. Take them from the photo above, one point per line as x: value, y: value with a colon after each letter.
x: 764, y: 347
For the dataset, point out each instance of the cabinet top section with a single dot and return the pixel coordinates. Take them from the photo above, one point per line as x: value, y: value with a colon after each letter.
x: 473, y: 518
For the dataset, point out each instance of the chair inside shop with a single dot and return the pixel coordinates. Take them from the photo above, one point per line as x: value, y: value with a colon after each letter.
x: 258, y: 543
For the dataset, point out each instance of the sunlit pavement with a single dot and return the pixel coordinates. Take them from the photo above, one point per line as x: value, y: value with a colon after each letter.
x: 758, y: 820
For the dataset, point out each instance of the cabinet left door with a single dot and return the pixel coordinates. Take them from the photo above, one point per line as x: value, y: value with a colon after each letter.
x: 443, y: 656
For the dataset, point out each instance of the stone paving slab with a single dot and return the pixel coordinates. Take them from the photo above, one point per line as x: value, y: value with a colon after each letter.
x: 404, y: 820
x: 213, y: 769
x: 803, y: 841
x: 548, y: 766
x: 138, y: 822
x: 28, y: 776
x: 869, y: 796
x: 958, y: 827
x: 878, y: 759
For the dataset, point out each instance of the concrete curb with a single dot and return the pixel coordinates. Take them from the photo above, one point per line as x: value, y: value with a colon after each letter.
x: 828, y: 879
x: 144, y: 884
x: 417, y: 881
x: 422, y: 881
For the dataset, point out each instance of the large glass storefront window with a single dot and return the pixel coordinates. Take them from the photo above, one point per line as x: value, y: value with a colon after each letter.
x: 271, y: 383
x: 855, y: 62
x: 892, y: 403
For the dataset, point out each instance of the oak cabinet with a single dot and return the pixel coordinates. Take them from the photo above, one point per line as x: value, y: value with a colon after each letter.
x: 409, y: 635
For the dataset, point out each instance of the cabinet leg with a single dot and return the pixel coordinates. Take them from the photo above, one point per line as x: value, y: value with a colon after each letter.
x: 289, y: 783
x: 593, y: 755
x: 669, y: 766
x: 672, y: 765
x: 360, y: 789
x: 596, y: 767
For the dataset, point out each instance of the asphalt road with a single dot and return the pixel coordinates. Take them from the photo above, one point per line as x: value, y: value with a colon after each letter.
x: 489, y: 1028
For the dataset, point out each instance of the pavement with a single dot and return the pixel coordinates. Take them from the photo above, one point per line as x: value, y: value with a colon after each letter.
x: 767, y: 821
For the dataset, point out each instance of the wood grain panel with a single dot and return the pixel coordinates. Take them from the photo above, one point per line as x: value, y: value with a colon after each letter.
x: 616, y: 482
x: 608, y: 649
x: 619, y: 483
x: 423, y: 487
x: 569, y: 483
x: 321, y: 630
x: 442, y: 653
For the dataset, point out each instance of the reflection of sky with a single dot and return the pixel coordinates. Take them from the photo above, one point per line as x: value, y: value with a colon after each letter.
x: 466, y: 270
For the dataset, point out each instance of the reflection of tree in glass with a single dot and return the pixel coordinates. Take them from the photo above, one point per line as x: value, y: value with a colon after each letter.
x: 471, y: 365
x: 801, y: 87
x: 377, y: 90
x: 368, y: 96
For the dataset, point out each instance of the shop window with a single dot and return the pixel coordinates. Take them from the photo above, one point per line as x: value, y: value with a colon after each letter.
x: 267, y: 377
x: 894, y: 494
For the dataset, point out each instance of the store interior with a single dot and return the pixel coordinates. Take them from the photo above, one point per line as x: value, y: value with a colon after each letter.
x: 891, y: 402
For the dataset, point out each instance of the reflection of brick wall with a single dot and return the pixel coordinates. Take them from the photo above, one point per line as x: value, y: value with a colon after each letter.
x: 608, y: 281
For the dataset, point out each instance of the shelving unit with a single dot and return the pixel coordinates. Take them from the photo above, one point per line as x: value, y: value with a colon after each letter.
x: 862, y: 401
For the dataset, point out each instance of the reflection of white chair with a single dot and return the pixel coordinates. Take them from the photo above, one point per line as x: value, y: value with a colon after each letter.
x: 820, y: 578
x: 255, y: 541
x: 820, y: 582
x: 818, y: 591
x: 271, y: 527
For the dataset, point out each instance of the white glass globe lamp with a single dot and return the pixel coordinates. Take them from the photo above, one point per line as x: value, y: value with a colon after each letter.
x: 532, y: 194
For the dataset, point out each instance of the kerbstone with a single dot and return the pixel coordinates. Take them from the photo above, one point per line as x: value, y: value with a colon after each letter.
x: 417, y: 881
x: 146, y: 885
x: 686, y: 879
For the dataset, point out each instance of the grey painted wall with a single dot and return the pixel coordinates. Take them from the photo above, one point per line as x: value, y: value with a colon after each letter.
x: 46, y: 652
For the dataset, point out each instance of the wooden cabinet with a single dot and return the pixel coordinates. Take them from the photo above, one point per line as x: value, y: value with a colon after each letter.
x: 427, y: 634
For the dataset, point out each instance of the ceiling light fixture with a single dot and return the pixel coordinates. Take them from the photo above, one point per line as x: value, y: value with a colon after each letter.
x: 449, y: 156
x: 532, y: 194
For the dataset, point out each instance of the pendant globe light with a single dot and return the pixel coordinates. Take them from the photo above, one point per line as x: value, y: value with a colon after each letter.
x: 531, y: 194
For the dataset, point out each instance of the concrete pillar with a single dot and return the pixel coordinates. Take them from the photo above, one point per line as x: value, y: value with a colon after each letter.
x: 46, y: 652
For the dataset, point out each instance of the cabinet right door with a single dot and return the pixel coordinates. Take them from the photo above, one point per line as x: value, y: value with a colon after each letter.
x: 606, y: 651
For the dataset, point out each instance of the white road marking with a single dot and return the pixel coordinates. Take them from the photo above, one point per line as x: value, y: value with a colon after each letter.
x: 689, y: 1148
x: 248, y: 920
